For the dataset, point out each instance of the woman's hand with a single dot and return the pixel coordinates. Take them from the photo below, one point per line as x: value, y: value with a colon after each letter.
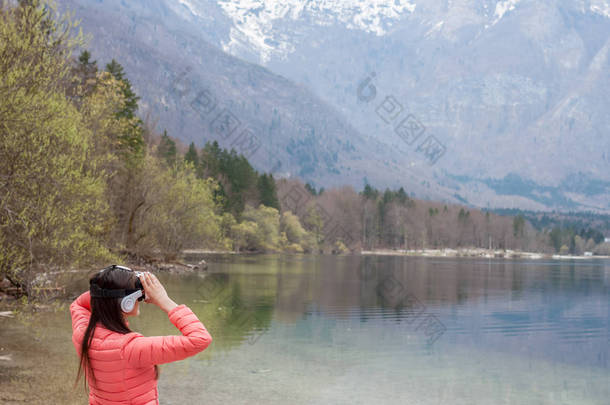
x: 155, y: 292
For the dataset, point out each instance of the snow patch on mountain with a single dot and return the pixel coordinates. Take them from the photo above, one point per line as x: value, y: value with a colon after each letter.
x: 502, y: 7
x: 189, y: 6
x: 600, y: 7
x: 254, y: 20
x: 437, y: 27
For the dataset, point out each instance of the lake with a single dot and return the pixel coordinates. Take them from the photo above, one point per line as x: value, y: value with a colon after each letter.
x: 305, y: 329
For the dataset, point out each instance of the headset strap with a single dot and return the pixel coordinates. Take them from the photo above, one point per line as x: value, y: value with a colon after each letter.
x: 98, y: 292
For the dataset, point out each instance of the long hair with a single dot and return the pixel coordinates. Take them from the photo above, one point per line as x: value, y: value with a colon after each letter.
x: 106, y: 311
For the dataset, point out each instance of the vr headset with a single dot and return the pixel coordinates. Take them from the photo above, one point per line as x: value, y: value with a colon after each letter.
x: 129, y: 296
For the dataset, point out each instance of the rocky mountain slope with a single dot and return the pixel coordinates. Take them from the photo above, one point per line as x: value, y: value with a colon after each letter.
x: 493, y: 103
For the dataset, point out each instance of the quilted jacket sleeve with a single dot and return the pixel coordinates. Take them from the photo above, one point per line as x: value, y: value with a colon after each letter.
x: 80, y: 310
x: 143, y: 351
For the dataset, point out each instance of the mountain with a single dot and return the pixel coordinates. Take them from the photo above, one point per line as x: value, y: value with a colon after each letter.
x: 490, y: 103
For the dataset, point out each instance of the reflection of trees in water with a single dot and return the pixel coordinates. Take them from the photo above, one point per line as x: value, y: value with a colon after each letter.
x: 289, y: 288
x: 355, y: 281
x: 233, y: 315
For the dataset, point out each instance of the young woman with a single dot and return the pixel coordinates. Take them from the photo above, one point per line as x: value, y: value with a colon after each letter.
x: 120, y: 365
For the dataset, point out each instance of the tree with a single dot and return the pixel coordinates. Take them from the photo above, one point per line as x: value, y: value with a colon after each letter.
x: 311, y: 189
x: 130, y: 104
x: 297, y: 238
x: 314, y: 223
x: 555, y: 238
x: 579, y: 245
x: 132, y: 141
x: 53, y: 205
x: 370, y: 192
x: 167, y: 149
x: 191, y: 155
x: 86, y: 70
x: 267, y: 191
x: 260, y: 228
x: 180, y: 211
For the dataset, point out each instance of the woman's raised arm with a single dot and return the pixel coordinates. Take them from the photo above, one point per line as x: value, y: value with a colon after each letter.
x: 145, y: 351
x: 80, y: 310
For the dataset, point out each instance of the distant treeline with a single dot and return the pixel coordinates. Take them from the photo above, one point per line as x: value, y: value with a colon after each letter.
x: 391, y: 219
x: 594, y: 224
x: 83, y: 180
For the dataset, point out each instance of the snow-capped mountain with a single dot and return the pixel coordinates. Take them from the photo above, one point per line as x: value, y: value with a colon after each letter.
x: 273, y: 28
x: 511, y: 94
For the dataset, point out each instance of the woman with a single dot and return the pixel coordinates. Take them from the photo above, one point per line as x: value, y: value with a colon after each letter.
x: 120, y: 365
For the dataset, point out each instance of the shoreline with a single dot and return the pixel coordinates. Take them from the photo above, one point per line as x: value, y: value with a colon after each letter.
x: 476, y: 252
x: 444, y: 252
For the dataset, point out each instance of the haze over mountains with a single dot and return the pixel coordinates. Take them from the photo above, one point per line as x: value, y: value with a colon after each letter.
x: 514, y: 93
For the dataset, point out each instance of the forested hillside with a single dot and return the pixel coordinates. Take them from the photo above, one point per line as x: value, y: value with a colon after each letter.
x: 84, y: 180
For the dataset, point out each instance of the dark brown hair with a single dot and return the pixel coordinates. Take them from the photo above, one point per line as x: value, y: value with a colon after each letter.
x: 106, y: 311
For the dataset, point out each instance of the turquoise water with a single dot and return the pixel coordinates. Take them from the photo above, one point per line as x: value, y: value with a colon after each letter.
x: 354, y: 330
x: 361, y: 330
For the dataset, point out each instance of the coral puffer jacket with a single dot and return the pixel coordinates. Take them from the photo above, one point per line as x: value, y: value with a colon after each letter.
x: 123, y: 364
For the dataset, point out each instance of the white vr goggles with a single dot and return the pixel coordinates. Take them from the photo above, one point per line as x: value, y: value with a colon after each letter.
x: 129, y: 296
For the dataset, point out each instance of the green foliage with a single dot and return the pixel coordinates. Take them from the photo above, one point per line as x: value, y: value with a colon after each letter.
x: 463, y: 215
x: 339, y: 248
x: 518, y: 226
x: 181, y: 211
x: 267, y: 191
x: 131, y: 140
x: 312, y: 190
x: 260, y: 229
x: 130, y: 103
x: 167, y: 150
x: 239, y: 182
x: 315, y: 224
x: 297, y: 239
x: 246, y: 236
x: 75, y: 181
x: 191, y: 155
x: 53, y: 184
x: 370, y: 192
x: 86, y: 71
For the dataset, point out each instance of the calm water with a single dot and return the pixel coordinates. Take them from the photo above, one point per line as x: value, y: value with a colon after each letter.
x: 388, y: 330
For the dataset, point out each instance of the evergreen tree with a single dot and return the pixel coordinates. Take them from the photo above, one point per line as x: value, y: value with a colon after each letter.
x: 267, y: 191
x: 311, y: 189
x: 130, y: 105
x: 86, y: 70
x: 210, y: 159
x: 191, y: 155
x: 241, y: 179
x: 370, y: 192
x: 167, y: 149
x: 518, y: 226
x: 132, y: 141
x: 402, y: 196
x: 85, y: 61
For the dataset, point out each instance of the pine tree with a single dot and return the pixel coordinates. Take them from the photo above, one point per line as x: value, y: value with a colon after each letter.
x: 86, y: 69
x: 130, y: 105
x: 310, y: 188
x: 191, y: 155
x: 132, y: 141
x: 267, y: 191
x: 370, y: 192
x: 167, y: 149
x: 85, y: 61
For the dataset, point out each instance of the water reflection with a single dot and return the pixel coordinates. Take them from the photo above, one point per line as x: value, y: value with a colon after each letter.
x: 516, y: 331
x: 323, y: 329
x: 545, y: 309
